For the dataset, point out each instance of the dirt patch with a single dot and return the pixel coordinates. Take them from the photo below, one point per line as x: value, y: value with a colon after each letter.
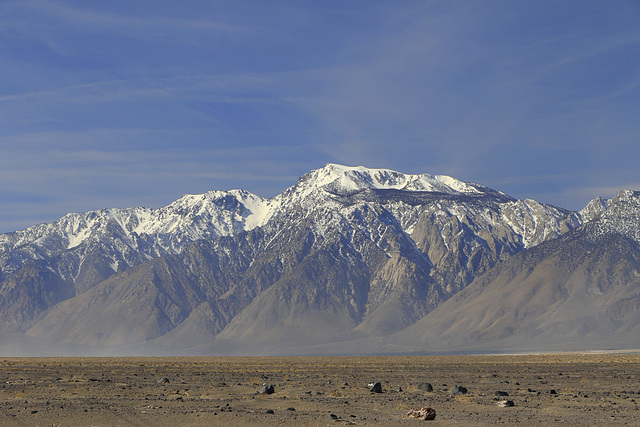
x: 314, y: 391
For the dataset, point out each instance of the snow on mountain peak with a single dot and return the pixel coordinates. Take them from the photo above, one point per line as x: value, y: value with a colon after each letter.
x: 620, y: 217
x: 192, y: 217
x: 215, y: 213
x: 129, y: 236
x: 354, y: 179
x: 626, y: 196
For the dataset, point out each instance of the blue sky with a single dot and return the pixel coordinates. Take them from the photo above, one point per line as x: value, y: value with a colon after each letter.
x: 127, y: 103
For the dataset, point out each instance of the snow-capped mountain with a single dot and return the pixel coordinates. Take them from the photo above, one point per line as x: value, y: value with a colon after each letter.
x: 375, y: 248
x: 620, y: 217
x: 344, y: 180
x: 576, y: 292
x: 128, y: 236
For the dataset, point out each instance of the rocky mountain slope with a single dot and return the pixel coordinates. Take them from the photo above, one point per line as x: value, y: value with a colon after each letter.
x: 346, y: 253
x: 580, y: 291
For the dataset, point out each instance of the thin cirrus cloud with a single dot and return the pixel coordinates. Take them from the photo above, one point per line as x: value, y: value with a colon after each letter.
x: 94, y: 178
x: 67, y: 19
x: 218, y: 88
x: 119, y: 103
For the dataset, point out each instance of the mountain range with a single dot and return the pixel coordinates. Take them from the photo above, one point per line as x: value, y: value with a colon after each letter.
x: 348, y: 260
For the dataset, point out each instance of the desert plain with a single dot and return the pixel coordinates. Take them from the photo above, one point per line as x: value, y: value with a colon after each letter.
x: 563, y: 389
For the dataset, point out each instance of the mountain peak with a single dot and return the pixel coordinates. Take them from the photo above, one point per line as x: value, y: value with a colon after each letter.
x: 357, y: 178
x: 626, y: 196
x: 620, y: 217
x: 346, y: 251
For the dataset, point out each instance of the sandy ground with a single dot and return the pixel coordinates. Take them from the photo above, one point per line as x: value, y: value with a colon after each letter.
x: 316, y: 391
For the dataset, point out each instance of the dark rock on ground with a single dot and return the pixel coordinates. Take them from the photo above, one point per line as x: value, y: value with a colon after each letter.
x: 457, y: 389
x: 267, y: 389
x: 425, y: 387
x: 376, y: 388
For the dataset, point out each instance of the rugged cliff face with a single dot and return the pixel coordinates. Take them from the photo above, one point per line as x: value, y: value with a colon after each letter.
x: 346, y: 253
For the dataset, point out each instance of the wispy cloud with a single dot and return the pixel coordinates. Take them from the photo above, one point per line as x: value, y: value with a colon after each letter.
x: 74, y: 17
x: 135, y: 161
x: 104, y: 101
x: 149, y: 88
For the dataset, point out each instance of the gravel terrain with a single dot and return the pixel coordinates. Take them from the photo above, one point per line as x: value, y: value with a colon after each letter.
x: 567, y: 389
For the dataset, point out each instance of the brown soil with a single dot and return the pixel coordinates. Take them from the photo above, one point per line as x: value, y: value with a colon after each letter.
x: 316, y: 391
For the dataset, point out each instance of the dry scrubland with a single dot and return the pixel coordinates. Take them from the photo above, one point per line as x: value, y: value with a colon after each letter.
x: 590, y: 389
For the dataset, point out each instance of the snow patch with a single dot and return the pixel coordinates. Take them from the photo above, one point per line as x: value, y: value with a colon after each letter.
x: 359, y: 178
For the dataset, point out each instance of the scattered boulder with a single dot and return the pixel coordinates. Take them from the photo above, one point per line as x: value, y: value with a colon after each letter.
x: 375, y: 387
x: 267, y: 389
x: 425, y: 387
x: 269, y: 411
x: 457, y: 389
x: 163, y: 380
x: 501, y: 393
x: 425, y: 414
x: 506, y: 403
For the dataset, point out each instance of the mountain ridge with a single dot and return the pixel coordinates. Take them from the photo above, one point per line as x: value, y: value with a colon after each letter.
x: 584, y: 285
x: 346, y: 251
